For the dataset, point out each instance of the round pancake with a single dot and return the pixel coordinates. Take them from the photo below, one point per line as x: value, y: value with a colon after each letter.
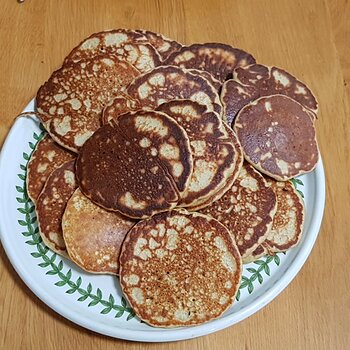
x: 128, y: 45
x: 220, y: 191
x: 161, y: 43
x: 246, y: 209
x: 277, y: 136
x: 217, y: 59
x: 139, y: 164
x: 213, y: 151
x: 166, y: 83
x: 287, y: 226
x: 51, y: 204
x: 215, y: 82
x: 179, y: 269
x: 72, y: 100
x: 93, y: 236
x: 46, y: 157
x: 121, y: 104
x: 256, y: 80
x: 259, y: 252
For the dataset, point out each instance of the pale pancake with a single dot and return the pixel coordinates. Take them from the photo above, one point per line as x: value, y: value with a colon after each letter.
x: 287, y: 226
x: 214, y: 152
x: 125, y: 44
x: 51, y: 204
x: 215, y: 82
x: 179, y: 269
x: 246, y: 209
x: 166, y: 83
x: 258, y: 253
x: 93, y: 236
x: 218, y: 59
x: 161, y: 43
x: 256, y: 80
x: 139, y: 164
x: 70, y: 103
x: 278, y: 137
x: 46, y: 157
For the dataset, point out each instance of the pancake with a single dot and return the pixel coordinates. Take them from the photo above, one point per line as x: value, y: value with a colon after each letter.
x: 214, y: 154
x: 166, y: 83
x: 127, y: 45
x: 72, y: 100
x: 51, y: 204
x: 246, y: 209
x: 258, y: 253
x: 217, y: 59
x: 215, y: 82
x: 93, y: 236
x: 179, y: 269
x: 277, y: 136
x: 221, y: 190
x: 46, y: 157
x: 139, y: 164
x: 161, y: 43
x: 123, y: 103
x: 287, y: 226
x: 256, y: 80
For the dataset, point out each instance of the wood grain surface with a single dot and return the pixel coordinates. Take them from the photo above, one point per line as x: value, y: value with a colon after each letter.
x: 307, y: 38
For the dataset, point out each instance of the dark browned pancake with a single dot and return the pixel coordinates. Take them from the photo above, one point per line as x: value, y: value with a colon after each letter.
x: 259, y: 252
x: 277, y: 136
x: 93, y: 236
x: 166, y: 83
x: 51, y: 204
x: 204, y: 74
x: 179, y: 269
x: 47, y: 156
x: 287, y: 226
x: 139, y: 164
x: 72, y: 100
x: 256, y: 80
x: 161, y: 43
x: 127, y: 45
x: 218, y: 59
x: 246, y: 209
x: 214, y: 152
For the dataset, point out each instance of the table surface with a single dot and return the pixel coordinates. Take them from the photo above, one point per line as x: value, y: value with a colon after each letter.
x: 307, y: 38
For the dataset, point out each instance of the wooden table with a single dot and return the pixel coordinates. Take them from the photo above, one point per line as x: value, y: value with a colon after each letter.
x: 309, y: 39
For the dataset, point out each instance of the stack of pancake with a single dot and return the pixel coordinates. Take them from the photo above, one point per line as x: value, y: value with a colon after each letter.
x: 168, y: 165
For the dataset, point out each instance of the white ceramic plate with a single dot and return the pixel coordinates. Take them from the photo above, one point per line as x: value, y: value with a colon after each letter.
x: 95, y: 301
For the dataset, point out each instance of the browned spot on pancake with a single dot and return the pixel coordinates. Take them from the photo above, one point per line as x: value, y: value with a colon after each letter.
x: 257, y: 80
x: 93, y: 236
x: 47, y: 156
x: 139, y: 164
x: 259, y: 252
x: 215, y: 82
x: 72, y: 100
x: 179, y: 269
x: 127, y: 45
x: 218, y: 59
x: 246, y: 209
x: 288, y: 221
x: 51, y: 204
x: 278, y: 137
x: 166, y: 83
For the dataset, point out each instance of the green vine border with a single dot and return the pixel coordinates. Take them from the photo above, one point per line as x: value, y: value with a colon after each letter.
x: 65, y: 279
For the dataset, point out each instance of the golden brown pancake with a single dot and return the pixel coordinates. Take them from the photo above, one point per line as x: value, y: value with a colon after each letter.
x: 51, y: 204
x: 214, y: 152
x: 166, y: 83
x: 246, y: 209
x: 93, y: 235
x: 259, y: 252
x: 72, y: 100
x: 256, y: 80
x: 287, y: 226
x: 179, y: 269
x: 161, y: 43
x: 278, y: 137
x: 127, y: 45
x: 47, y: 156
x: 139, y: 164
x: 218, y: 59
